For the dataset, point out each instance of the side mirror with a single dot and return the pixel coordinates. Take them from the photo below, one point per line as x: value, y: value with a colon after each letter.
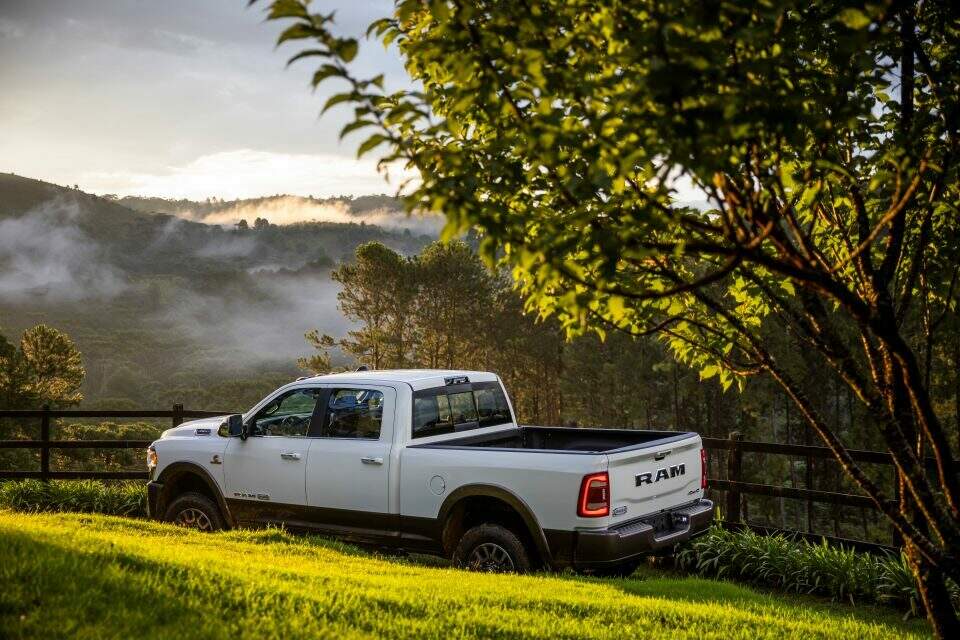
x: 235, y: 426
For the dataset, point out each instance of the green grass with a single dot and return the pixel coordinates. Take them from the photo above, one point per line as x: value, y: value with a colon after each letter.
x: 83, y: 496
x: 94, y: 576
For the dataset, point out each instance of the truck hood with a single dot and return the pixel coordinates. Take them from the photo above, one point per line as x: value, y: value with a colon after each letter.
x: 195, y: 428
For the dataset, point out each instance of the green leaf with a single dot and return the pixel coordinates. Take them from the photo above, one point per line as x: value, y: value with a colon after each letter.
x: 353, y: 126
x: 298, y: 31
x: 335, y: 100
x: 287, y: 9
x: 370, y: 143
x: 854, y: 18
x: 308, y: 54
x: 708, y: 372
x: 326, y: 71
x: 347, y: 50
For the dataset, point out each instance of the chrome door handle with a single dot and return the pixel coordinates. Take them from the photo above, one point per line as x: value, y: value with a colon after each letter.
x: 371, y: 460
x: 290, y: 456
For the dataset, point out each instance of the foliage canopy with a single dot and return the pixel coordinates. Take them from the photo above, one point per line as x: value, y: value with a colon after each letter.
x: 820, y: 137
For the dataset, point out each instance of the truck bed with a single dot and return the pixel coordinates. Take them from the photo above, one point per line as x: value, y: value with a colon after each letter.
x: 564, y: 440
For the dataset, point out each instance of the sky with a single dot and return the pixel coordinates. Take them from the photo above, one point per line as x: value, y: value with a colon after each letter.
x: 177, y: 99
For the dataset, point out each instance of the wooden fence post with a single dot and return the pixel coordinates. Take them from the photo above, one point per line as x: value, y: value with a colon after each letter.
x: 734, y: 462
x: 177, y: 417
x: 45, y: 443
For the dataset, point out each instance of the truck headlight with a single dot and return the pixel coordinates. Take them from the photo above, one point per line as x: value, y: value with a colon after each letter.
x: 151, y: 458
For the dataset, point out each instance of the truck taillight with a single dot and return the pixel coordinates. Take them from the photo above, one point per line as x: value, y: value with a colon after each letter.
x: 594, y: 499
x: 703, y: 469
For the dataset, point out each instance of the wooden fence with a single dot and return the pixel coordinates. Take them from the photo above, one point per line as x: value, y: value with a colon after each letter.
x: 176, y: 415
x: 733, y: 485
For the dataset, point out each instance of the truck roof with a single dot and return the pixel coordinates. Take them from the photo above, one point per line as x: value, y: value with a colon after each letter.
x: 416, y: 378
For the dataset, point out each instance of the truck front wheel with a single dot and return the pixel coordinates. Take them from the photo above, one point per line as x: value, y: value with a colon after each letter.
x: 195, y: 511
x: 491, y: 548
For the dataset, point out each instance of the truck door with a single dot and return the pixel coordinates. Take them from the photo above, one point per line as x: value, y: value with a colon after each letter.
x: 349, y: 468
x: 264, y: 475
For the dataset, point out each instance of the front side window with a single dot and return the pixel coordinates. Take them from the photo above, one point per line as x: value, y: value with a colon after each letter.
x: 353, y: 413
x: 287, y: 415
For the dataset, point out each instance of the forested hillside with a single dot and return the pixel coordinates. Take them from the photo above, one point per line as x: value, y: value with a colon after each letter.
x: 167, y: 309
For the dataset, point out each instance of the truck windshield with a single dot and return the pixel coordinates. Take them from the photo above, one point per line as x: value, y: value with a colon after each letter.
x: 459, y: 408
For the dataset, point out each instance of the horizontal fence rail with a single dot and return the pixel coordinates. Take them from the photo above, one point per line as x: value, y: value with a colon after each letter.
x: 733, y: 485
x: 829, y: 497
x: 176, y: 415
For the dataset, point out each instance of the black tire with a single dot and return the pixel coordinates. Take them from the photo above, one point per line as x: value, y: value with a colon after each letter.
x: 492, y: 548
x: 195, y: 511
x: 622, y: 570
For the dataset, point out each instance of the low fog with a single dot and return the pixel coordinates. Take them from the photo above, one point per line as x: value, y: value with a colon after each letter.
x: 52, y: 270
x: 46, y: 257
x: 265, y: 328
x: 286, y: 210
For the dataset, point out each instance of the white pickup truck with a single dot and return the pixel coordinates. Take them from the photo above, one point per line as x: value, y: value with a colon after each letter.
x: 434, y: 462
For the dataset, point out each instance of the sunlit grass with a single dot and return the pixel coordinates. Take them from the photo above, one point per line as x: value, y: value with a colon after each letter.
x: 93, y: 576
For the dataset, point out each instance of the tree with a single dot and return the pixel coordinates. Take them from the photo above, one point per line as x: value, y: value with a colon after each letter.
x: 820, y: 136
x: 319, y: 362
x: 450, y: 312
x: 242, y: 225
x: 44, y: 369
x: 377, y: 291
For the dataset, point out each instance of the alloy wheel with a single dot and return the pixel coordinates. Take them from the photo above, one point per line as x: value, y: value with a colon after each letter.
x: 490, y: 557
x: 194, y: 519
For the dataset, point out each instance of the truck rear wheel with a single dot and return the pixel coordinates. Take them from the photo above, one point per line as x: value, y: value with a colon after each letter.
x: 491, y: 548
x: 195, y: 511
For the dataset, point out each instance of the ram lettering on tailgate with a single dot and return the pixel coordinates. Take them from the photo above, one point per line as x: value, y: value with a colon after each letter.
x: 661, y: 474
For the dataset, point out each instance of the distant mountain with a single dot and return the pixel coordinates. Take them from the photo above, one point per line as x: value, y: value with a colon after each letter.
x: 381, y: 210
x: 198, y: 209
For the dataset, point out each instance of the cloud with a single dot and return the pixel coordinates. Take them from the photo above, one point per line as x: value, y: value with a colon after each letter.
x: 44, y: 255
x: 10, y: 29
x: 246, y: 173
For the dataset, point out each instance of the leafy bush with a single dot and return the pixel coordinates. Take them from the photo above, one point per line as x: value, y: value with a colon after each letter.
x: 85, y: 496
x: 804, y: 567
x: 106, y: 459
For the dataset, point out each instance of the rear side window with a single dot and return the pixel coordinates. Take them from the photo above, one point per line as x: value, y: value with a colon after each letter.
x: 353, y: 413
x: 459, y: 408
x: 492, y: 407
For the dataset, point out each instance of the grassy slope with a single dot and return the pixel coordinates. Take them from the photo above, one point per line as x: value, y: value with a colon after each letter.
x: 104, y: 577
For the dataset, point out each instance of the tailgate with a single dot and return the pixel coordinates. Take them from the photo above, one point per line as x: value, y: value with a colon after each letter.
x: 653, y: 478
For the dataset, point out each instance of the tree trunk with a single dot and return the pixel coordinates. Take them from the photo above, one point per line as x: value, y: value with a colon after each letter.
x: 956, y: 385
x: 935, y: 596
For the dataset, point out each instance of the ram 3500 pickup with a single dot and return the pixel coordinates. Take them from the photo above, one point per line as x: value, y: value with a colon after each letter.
x: 434, y: 462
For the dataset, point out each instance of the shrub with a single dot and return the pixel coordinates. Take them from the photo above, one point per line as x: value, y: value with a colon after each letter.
x: 795, y: 565
x: 86, y: 496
